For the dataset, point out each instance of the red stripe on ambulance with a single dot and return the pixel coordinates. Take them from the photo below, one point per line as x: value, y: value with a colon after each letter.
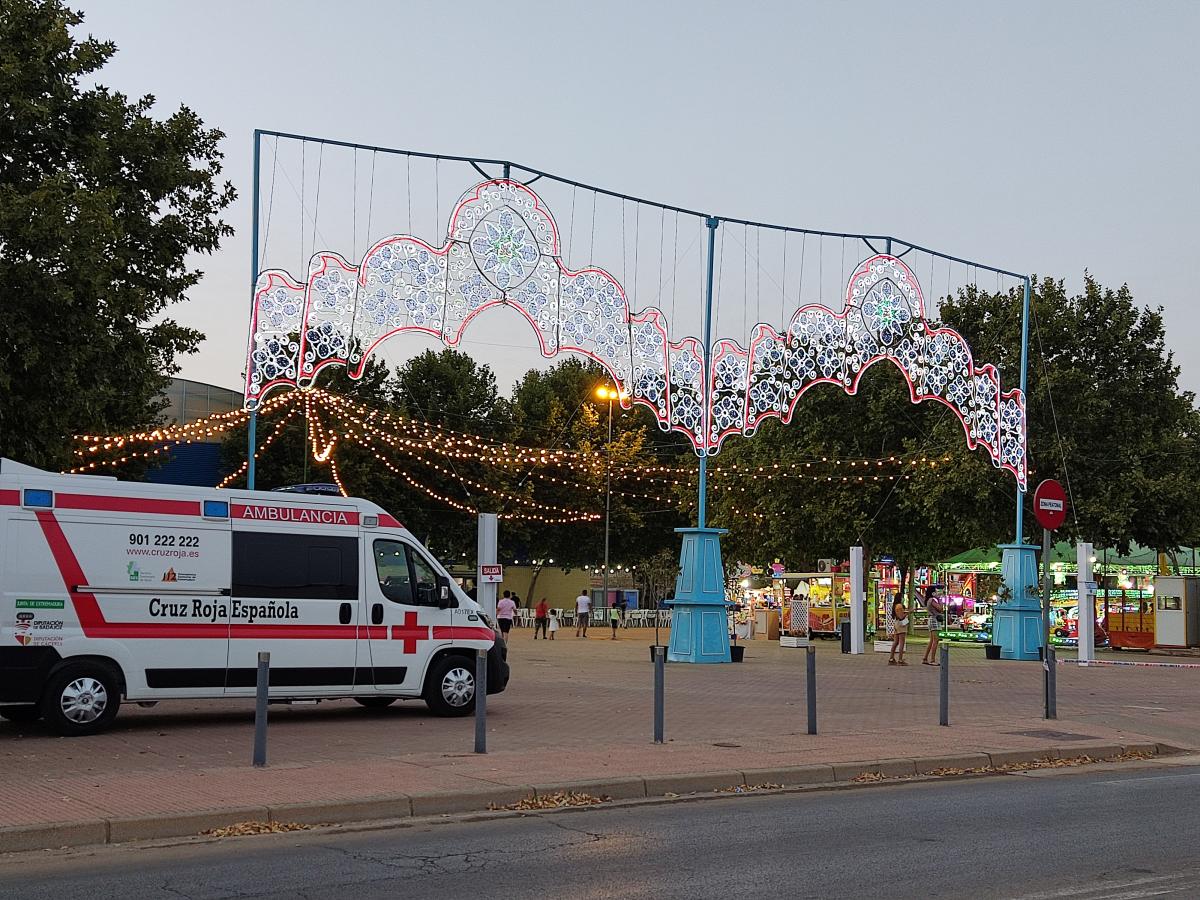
x: 127, y: 504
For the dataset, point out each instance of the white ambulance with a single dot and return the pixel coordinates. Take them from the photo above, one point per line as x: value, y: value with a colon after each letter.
x: 147, y: 592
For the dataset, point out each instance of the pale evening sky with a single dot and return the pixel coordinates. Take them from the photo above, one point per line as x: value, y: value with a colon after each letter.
x: 1047, y: 137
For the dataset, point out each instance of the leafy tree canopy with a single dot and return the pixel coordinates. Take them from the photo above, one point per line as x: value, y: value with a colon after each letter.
x: 100, y: 205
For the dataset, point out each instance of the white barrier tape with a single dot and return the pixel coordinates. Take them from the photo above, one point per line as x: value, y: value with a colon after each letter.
x: 1120, y: 662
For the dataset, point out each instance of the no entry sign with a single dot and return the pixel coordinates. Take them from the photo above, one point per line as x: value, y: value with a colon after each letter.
x: 1050, y: 504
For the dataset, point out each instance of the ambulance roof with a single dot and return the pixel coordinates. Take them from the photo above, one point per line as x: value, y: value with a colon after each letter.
x: 15, y: 474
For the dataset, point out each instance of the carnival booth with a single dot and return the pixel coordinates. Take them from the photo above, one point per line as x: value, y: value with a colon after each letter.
x: 818, y: 603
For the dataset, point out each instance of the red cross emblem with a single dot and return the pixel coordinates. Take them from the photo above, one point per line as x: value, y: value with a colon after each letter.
x: 410, y: 632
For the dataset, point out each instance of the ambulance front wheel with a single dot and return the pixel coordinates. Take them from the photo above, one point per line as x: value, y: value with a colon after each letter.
x: 81, y: 698
x: 450, y: 687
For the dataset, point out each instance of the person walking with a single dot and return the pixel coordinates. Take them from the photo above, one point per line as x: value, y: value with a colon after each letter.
x: 539, y: 618
x: 936, y: 609
x: 614, y: 618
x: 553, y: 623
x: 900, y: 617
x: 583, y: 612
x: 505, y: 610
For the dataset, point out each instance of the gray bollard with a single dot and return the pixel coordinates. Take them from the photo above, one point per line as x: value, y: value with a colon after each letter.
x: 659, y: 676
x: 810, y: 663
x: 260, y: 709
x: 481, y: 701
x: 944, y: 686
x: 1052, y: 682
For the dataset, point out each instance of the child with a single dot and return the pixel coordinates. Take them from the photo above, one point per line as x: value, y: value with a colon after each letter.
x: 553, y: 627
x: 614, y: 618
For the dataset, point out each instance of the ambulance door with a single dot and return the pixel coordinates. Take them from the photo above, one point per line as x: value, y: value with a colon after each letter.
x: 295, y: 595
x: 402, y: 595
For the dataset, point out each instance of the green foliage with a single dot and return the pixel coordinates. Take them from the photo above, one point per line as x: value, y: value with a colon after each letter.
x: 1105, y: 413
x: 100, y: 205
x: 449, y: 388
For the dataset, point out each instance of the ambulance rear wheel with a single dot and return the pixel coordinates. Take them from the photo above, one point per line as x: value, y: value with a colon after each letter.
x: 375, y: 702
x: 450, y: 687
x: 28, y: 713
x: 81, y: 698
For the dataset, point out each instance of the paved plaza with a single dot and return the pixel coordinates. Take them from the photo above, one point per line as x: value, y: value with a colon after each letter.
x: 578, y: 710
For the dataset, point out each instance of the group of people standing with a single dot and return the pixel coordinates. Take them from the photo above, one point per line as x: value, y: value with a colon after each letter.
x: 936, y: 607
x: 545, y: 619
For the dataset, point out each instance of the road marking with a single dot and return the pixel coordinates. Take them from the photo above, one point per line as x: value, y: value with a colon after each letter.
x: 1155, y: 708
x: 1150, y: 778
x: 1153, y: 886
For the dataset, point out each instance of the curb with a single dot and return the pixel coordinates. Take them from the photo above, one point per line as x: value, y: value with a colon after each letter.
x: 393, y: 807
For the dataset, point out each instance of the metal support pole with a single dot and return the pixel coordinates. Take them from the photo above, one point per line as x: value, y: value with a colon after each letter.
x: 253, y: 282
x: 607, y: 497
x: 660, y: 664
x: 260, y: 709
x: 251, y: 441
x: 1087, y: 603
x: 858, y: 601
x: 1048, y: 651
x: 1020, y: 539
x: 1051, y: 684
x: 485, y: 555
x: 481, y: 701
x: 944, y: 686
x: 702, y: 489
x: 810, y: 685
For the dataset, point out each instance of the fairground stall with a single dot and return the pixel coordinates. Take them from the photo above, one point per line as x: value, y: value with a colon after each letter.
x: 1125, y: 614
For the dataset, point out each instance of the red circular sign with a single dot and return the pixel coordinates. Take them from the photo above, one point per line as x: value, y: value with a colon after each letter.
x: 1050, y: 504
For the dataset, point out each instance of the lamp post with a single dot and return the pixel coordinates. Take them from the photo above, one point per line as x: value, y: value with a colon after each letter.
x: 604, y: 392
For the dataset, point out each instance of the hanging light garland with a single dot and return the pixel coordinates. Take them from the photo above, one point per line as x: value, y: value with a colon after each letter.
x: 428, y: 444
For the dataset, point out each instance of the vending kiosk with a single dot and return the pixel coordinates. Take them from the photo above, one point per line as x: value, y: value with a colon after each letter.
x: 1177, y: 611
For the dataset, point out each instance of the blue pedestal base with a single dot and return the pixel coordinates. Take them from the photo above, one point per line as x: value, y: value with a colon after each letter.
x: 699, y: 626
x: 1017, y: 622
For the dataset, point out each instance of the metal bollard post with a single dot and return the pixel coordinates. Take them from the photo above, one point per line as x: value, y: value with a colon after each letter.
x: 810, y: 661
x: 260, y: 709
x: 1051, y: 682
x: 659, y: 667
x: 944, y: 699
x: 481, y: 701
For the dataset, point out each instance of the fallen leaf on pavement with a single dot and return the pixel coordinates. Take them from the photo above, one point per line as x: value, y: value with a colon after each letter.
x: 244, y: 828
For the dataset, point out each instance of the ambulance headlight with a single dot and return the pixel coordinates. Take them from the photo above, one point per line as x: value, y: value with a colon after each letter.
x: 488, y: 621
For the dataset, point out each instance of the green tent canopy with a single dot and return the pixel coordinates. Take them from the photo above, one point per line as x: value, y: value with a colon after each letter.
x: 988, y: 558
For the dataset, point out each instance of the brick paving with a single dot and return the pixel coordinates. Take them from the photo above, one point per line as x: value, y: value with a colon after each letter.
x: 579, y: 710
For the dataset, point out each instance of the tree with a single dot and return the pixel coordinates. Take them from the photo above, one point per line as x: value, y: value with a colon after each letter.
x: 1106, y: 416
x: 558, y: 407
x: 449, y: 388
x: 100, y: 205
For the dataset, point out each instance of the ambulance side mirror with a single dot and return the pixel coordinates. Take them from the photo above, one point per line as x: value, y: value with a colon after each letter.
x: 443, y: 595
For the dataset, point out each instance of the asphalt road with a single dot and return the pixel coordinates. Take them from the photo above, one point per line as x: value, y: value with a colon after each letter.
x: 1080, y: 836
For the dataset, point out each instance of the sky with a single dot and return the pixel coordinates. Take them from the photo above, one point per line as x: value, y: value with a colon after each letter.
x: 1043, y: 137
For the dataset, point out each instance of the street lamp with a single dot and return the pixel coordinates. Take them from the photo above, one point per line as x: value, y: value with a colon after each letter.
x: 604, y: 392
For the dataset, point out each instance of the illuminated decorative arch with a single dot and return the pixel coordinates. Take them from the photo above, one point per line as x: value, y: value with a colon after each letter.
x: 502, y: 249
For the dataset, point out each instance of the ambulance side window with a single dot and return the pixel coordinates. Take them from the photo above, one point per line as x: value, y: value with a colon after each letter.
x: 391, y: 565
x: 295, y: 566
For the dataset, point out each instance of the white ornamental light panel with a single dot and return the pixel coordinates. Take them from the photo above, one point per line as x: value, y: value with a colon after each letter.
x: 502, y: 248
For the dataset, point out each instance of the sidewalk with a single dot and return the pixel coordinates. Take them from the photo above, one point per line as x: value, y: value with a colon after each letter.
x: 576, y: 711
